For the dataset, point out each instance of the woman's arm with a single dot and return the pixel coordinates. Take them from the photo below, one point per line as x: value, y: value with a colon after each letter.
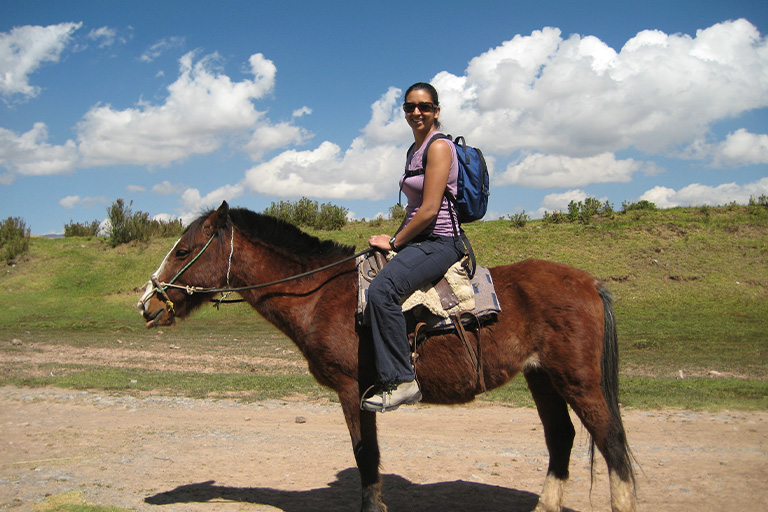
x: 435, y: 183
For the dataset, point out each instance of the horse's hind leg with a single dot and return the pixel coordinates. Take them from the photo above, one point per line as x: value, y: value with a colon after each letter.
x: 365, y: 443
x: 558, y: 433
x: 608, y: 435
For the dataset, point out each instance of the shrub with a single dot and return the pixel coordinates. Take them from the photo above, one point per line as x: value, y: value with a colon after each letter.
x: 81, y: 229
x: 519, y: 219
x: 397, y: 212
x: 309, y: 214
x: 14, y: 239
x: 331, y: 217
x: 640, y: 205
x: 555, y: 217
x: 760, y: 201
x: 126, y: 226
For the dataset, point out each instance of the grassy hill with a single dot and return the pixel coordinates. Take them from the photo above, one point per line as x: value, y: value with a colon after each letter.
x: 691, y: 288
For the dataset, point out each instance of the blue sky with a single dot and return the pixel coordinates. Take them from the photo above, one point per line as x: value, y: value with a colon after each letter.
x: 175, y: 106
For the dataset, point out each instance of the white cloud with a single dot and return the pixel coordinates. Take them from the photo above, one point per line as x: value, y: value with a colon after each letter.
x: 543, y: 171
x: 387, y: 125
x: 742, y: 148
x: 71, y: 202
x: 705, y: 195
x: 105, y: 36
x: 135, y: 188
x: 201, y: 109
x: 167, y: 188
x: 326, y: 172
x: 29, y: 154
x: 578, y: 97
x: 301, y: 112
x: 160, y: 47
x: 24, y: 49
x: 164, y: 217
x: 269, y: 137
x: 560, y: 201
x: 193, y: 203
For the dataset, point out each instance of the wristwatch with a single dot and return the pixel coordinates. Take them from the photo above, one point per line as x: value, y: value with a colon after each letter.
x: 392, y: 244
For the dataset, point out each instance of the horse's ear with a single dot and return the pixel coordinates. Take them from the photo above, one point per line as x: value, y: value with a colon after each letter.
x: 217, y: 220
x: 223, y: 212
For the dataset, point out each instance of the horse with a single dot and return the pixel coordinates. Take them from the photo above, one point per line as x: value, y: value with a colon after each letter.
x: 556, y: 327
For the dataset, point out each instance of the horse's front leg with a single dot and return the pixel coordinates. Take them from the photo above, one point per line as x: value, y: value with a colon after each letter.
x: 365, y: 443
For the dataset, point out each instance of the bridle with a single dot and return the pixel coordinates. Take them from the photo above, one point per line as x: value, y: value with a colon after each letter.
x: 161, y: 287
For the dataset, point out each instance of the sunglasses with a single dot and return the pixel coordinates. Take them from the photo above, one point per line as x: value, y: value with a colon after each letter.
x: 424, y: 107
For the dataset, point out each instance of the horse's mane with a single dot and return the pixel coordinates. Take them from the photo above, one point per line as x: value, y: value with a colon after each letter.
x: 283, y: 235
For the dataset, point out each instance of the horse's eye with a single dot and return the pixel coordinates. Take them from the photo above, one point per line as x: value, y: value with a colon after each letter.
x: 182, y: 253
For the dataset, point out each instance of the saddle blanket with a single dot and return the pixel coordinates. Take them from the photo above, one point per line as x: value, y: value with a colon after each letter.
x: 426, y: 304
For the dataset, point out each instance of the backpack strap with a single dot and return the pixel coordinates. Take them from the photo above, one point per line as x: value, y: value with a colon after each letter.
x: 408, y: 173
x: 457, y: 233
x: 416, y: 172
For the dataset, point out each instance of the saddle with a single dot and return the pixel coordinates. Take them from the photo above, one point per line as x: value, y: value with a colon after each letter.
x: 455, y: 304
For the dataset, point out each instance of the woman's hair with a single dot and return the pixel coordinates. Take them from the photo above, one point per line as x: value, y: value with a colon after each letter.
x: 432, y: 93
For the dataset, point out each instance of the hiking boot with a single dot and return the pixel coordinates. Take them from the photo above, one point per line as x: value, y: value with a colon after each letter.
x: 407, y: 393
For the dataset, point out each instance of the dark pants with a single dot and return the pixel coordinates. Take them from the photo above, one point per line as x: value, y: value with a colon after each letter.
x: 416, y: 264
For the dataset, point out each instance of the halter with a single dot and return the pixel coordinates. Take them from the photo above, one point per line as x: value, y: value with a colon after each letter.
x: 161, y: 287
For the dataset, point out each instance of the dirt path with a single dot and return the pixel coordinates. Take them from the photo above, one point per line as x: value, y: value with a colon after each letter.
x: 175, y: 454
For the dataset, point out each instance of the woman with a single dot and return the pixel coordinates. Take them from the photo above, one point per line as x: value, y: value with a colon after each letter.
x: 426, y: 245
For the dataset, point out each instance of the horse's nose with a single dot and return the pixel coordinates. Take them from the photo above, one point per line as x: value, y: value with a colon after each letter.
x: 142, y: 304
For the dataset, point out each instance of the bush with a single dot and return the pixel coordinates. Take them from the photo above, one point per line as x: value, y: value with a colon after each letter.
x: 14, y: 239
x: 126, y: 226
x: 555, y: 217
x: 309, y: 214
x: 582, y: 211
x: 640, y: 205
x: 397, y: 212
x: 519, y: 219
x: 331, y: 217
x: 81, y: 229
x: 760, y: 201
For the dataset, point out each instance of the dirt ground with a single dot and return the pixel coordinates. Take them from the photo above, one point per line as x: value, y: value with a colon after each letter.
x: 168, y: 454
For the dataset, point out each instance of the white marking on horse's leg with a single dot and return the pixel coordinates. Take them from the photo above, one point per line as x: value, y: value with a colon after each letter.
x: 551, y: 499
x: 622, y: 494
x: 532, y: 363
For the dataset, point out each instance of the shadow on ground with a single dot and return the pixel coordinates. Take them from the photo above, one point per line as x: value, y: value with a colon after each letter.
x: 400, y: 495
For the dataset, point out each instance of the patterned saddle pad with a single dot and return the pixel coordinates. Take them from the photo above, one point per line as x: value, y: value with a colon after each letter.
x: 434, y: 305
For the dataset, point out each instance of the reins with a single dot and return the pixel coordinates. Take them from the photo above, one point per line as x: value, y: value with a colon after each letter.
x: 160, y: 287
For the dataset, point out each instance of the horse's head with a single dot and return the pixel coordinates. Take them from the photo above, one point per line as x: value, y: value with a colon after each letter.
x: 198, y: 259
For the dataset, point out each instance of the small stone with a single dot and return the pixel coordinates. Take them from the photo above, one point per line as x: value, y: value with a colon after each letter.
x: 301, y: 419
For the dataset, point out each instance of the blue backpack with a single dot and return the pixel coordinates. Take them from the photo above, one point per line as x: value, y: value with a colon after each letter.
x: 471, y: 201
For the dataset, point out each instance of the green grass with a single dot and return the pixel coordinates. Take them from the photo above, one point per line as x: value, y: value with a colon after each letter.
x: 691, y: 288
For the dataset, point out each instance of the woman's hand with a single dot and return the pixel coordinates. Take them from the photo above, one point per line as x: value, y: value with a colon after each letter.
x: 380, y: 242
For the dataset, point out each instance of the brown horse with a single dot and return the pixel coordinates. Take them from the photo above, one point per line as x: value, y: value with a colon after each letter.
x: 556, y: 327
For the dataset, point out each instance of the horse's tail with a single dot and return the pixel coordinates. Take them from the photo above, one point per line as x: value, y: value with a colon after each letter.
x: 609, y: 382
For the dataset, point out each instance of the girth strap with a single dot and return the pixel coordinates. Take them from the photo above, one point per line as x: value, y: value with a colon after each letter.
x: 419, y: 335
x: 474, y: 352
